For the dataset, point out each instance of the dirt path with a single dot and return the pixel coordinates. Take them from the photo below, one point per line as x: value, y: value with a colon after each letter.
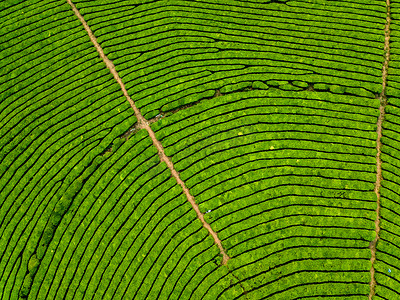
x: 383, y: 101
x: 144, y: 124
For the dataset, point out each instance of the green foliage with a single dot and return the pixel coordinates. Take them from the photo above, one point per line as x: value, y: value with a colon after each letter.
x: 61, y: 206
x: 289, y: 87
x: 282, y: 165
x: 301, y: 84
x: 55, y: 219
x: 337, y: 89
x: 41, y: 249
x: 235, y: 87
x: 360, y: 92
x: 26, y: 286
x: 117, y: 143
x: 260, y: 85
x: 259, y: 172
x: 33, y: 265
x: 47, y: 234
x: 321, y: 87
x: 277, y: 83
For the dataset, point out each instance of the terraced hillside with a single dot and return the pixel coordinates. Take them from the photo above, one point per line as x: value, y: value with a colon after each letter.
x: 204, y: 149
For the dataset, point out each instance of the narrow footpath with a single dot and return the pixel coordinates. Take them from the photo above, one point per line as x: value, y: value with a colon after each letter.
x: 378, y: 183
x: 144, y: 124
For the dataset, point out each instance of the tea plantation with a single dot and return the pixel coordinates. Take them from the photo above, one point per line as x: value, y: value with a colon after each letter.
x: 271, y: 137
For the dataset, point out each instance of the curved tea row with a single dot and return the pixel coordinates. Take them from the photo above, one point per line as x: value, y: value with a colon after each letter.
x: 278, y: 147
x: 286, y: 179
x: 130, y: 233
x: 171, y: 53
x: 59, y: 109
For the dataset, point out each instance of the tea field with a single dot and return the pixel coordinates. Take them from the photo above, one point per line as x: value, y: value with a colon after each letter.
x: 203, y: 149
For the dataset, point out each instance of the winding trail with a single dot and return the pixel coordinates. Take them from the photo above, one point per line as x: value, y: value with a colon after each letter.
x: 144, y: 124
x: 378, y: 183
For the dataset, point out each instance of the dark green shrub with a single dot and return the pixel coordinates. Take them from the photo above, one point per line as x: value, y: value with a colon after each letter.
x: 26, y: 286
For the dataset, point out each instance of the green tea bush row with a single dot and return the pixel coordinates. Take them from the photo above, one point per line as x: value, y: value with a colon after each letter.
x: 256, y: 156
x: 283, y: 166
x: 135, y: 228
x: 153, y: 43
x: 59, y: 110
